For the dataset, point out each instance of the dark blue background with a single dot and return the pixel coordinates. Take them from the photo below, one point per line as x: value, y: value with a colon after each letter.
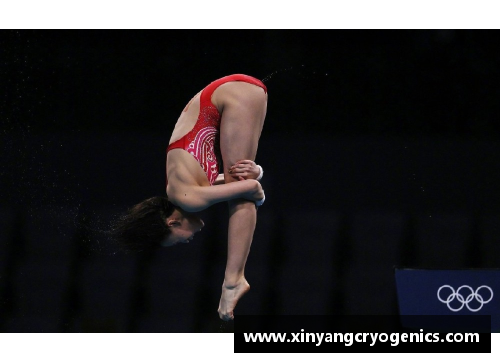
x: 380, y: 148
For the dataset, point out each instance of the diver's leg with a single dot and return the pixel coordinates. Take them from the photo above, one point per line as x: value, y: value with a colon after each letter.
x: 241, y: 126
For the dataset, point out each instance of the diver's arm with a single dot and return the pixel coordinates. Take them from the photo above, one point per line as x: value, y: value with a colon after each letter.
x: 198, y: 198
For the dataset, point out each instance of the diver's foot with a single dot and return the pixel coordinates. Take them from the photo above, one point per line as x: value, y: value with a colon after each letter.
x: 231, y: 294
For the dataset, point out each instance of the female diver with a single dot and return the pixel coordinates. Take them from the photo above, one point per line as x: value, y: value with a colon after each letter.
x: 224, y: 119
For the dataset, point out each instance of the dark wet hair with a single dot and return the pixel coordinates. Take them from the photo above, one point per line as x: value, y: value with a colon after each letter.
x: 143, y: 226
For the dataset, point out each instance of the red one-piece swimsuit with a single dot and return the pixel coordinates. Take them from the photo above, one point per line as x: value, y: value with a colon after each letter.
x: 203, y: 140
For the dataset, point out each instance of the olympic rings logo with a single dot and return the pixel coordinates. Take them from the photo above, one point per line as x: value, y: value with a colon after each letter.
x: 479, y: 297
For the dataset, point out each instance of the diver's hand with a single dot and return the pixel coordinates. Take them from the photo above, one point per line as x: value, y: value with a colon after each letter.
x: 245, y: 170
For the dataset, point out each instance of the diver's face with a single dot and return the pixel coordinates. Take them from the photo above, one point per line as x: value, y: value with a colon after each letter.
x: 183, y: 226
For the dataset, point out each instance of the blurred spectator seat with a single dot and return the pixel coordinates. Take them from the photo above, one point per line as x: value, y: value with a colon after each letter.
x: 7, y: 218
x: 306, y: 277
x: 490, y: 248
x: 32, y: 324
x: 175, y: 281
x: 442, y: 241
x: 40, y: 289
x: 107, y: 290
x: 377, y: 240
x: 50, y: 234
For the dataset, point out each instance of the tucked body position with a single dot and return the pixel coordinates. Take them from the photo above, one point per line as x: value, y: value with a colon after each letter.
x: 219, y: 129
